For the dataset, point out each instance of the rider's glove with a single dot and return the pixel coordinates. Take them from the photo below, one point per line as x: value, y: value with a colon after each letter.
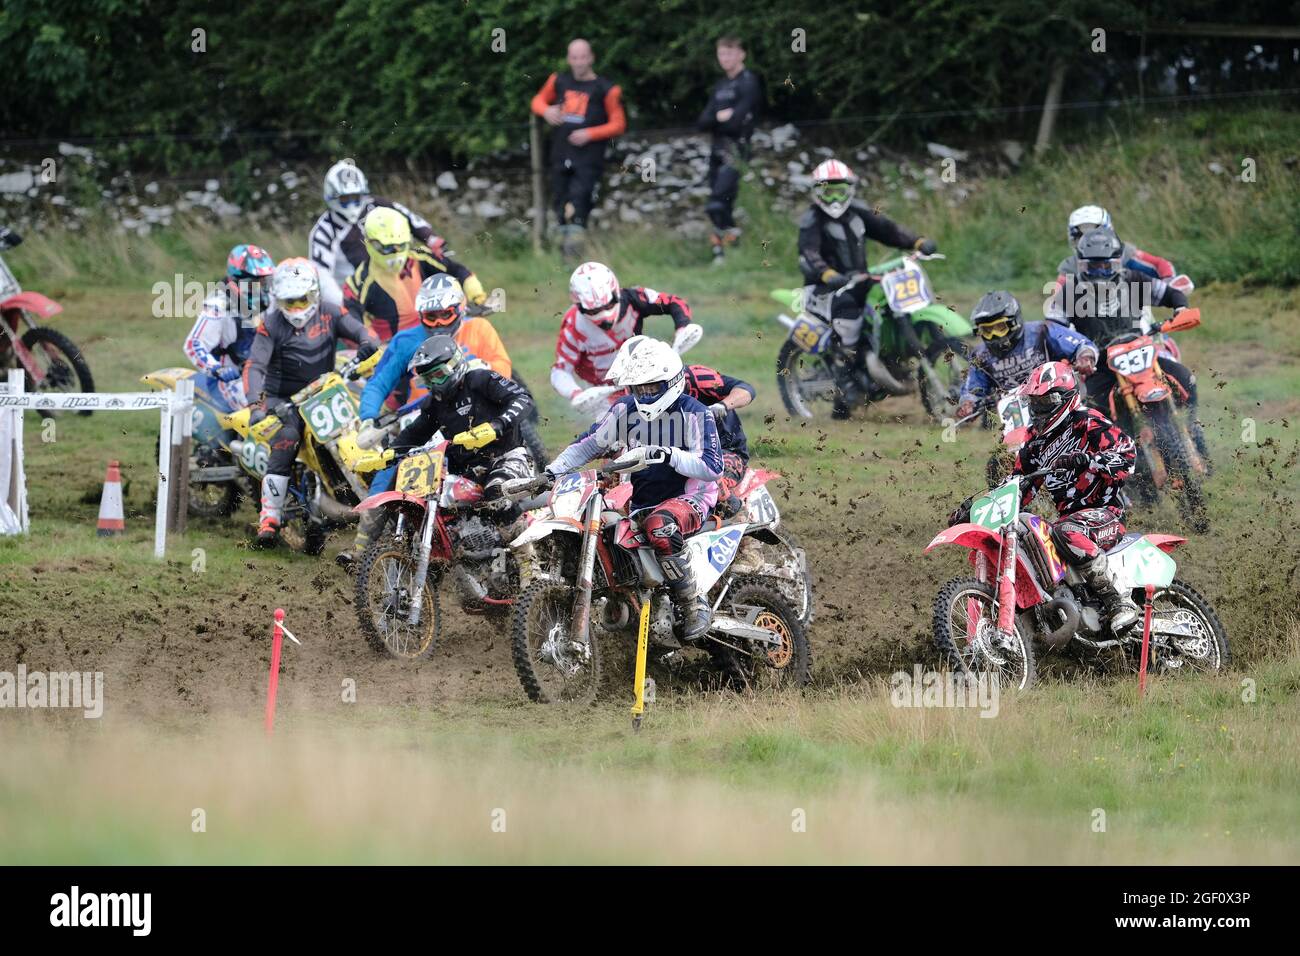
x: 686, y: 337
x: 476, y: 437
x: 474, y: 290
x: 719, y: 410
x: 365, y: 350
x: 368, y: 436
x: 228, y: 373
x: 925, y: 246
x: 437, y: 245
x: 835, y: 280
x: 965, y: 409
x: 962, y: 513
x: 1086, y: 363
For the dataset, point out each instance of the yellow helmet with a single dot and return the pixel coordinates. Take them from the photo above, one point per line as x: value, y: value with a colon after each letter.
x: 388, y: 237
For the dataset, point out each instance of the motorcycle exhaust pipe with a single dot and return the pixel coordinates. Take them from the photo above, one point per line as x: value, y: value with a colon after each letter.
x: 1062, y: 635
x: 334, y: 510
x: 785, y: 320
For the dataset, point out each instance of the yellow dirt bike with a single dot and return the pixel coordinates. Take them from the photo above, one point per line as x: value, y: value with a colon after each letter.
x: 331, y: 472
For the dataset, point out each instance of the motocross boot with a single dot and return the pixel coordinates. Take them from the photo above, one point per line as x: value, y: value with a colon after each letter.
x: 268, y: 532
x: 1121, y: 614
x: 274, y: 490
x: 367, y: 526
x: 848, y: 393
x: 692, y: 609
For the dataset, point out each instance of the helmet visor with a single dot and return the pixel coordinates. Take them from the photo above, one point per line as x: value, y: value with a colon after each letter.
x: 1043, y: 407
x: 650, y: 392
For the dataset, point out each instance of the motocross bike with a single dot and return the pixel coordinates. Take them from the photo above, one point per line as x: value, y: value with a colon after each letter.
x: 1143, y: 403
x: 331, y: 471
x: 582, y: 550
x: 49, y: 359
x: 771, y: 553
x: 915, y: 329
x: 431, y: 535
x: 1023, y: 592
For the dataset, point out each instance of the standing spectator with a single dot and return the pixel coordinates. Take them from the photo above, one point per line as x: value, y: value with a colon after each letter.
x: 586, y: 111
x: 729, y: 116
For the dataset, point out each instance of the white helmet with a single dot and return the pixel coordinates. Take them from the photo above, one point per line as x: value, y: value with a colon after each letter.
x: 346, y: 190
x: 1085, y: 219
x: 834, y: 185
x: 594, y: 290
x: 295, y: 287
x: 440, y: 303
x: 654, y: 375
x: 621, y: 357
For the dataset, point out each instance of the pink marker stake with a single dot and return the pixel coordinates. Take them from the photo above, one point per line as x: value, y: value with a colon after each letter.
x: 1146, y: 641
x: 273, y: 683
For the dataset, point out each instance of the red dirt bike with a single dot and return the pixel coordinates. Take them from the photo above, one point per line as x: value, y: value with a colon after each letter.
x: 1150, y: 405
x: 51, y: 361
x: 1022, y: 592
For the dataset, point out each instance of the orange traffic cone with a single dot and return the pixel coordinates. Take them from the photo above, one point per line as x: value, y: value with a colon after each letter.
x: 110, y: 505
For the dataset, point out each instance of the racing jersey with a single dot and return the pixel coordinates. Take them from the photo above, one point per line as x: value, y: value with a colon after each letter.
x: 1103, y: 310
x: 481, y: 396
x: 338, y: 246
x: 595, y: 105
x: 585, y: 351
x: 991, y: 373
x: 1111, y: 452
x: 285, y: 359
x: 710, y: 386
x: 385, y: 300
x: 839, y: 245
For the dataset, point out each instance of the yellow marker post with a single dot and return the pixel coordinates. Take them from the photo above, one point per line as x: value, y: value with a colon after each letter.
x: 642, y: 645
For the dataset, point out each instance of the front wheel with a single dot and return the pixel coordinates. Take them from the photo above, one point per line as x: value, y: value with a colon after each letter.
x: 552, y: 664
x: 59, y: 358
x: 966, y: 632
x: 384, y: 591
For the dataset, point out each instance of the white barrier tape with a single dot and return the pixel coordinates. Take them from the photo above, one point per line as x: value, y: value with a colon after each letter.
x: 92, y: 401
x: 289, y: 634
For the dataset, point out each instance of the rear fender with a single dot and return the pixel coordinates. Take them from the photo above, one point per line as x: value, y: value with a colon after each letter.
x: 954, y: 324
x: 384, y: 497
x: 1166, y: 542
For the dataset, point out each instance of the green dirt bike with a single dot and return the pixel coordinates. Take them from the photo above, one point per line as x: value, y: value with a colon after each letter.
x: 919, y: 337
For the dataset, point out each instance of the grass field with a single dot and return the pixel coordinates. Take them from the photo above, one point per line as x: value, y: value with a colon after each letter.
x: 415, y: 768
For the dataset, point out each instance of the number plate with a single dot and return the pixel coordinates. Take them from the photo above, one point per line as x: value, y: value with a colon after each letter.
x: 810, y: 336
x: 329, y: 412
x: 418, y: 474
x: 762, y: 508
x: 1014, y: 411
x: 907, y: 290
x: 998, y: 508
x: 254, y: 456
x: 1133, y: 361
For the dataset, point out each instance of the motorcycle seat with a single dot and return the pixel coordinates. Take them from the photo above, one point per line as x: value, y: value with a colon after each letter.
x: 1124, y: 542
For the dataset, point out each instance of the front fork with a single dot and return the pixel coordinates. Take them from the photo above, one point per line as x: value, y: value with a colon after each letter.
x: 1007, y: 586
x: 422, y: 566
x: 586, y: 572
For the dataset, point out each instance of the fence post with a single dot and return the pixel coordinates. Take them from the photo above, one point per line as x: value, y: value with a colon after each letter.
x: 166, y: 416
x: 536, y: 159
x: 1050, y: 105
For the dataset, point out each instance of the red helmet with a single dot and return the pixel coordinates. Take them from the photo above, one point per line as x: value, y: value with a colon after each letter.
x: 1052, y: 391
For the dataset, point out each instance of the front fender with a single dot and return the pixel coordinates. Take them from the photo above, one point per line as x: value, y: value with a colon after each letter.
x: 541, y: 528
x: 954, y: 324
x: 968, y: 535
x: 42, y: 305
x: 384, y: 497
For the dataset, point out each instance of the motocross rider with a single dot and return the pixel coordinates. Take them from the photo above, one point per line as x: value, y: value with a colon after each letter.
x: 603, y: 316
x: 222, y: 336
x: 294, y: 346
x: 1104, y: 299
x: 441, y: 306
x: 674, y: 441
x: 479, y: 409
x: 832, y: 250
x: 723, y: 396
x: 337, y: 245
x: 1010, y: 349
x: 382, y: 289
x: 1090, y: 457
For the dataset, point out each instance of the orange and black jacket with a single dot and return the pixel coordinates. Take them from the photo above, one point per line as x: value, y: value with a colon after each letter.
x: 385, y: 301
x: 595, y: 105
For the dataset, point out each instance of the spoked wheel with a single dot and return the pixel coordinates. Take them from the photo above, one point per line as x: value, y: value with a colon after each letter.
x: 1201, y: 644
x: 765, y: 666
x: 804, y: 380
x: 385, y: 591
x: 59, y: 358
x: 941, y: 393
x: 552, y: 665
x: 213, y: 499
x: 965, y: 630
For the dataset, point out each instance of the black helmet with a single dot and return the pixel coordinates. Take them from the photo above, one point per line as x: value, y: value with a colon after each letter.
x: 996, y: 318
x: 439, y: 363
x: 1100, y: 255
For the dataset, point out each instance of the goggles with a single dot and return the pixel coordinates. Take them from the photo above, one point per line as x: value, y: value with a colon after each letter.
x: 436, y: 375
x: 390, y: 249
x: 300, y: 304
x: 997, y: 329
x: 598, y: 309
x: 440, y: 317
x: 649, y: 392
x: 835, y: 192
x: 1100, y: 268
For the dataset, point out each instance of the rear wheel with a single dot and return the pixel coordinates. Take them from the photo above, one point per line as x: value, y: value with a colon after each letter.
x: 213, y: 499
x: 764, y: 666
x: 1200, y: 644
x: 59, y: 358
x: 552, y: 665
x: 385, y: 589
x: 804, y: 380
x: 965, y: 631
